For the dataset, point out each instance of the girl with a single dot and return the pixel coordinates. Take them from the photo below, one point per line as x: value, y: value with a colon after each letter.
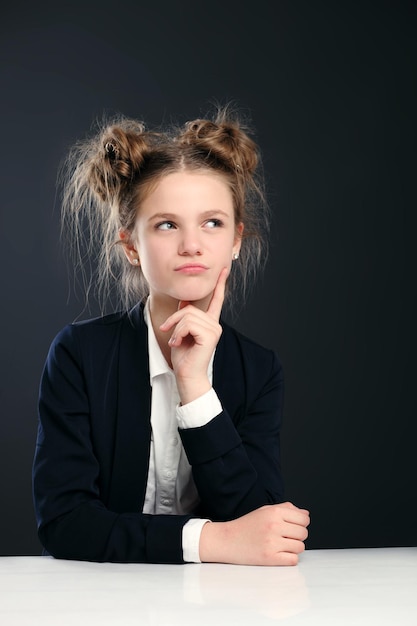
x: 159, y: 425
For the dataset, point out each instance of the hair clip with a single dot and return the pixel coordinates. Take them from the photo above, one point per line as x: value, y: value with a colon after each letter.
x: 112, y: 150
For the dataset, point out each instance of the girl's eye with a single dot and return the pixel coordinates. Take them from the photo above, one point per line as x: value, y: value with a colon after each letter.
x: 214, y: 223
x: 165, y: 226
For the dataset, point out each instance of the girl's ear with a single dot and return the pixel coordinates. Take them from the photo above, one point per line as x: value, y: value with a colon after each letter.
x: 129, y: 249
x: 238, y: 238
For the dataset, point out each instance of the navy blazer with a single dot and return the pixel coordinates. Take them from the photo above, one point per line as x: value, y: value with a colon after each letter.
x: 92, y: 452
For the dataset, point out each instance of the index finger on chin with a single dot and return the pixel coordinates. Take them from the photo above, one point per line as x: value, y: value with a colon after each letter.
x: 217, y: 299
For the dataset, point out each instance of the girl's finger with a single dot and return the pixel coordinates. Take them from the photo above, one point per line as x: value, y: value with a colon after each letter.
x: 217, y: 299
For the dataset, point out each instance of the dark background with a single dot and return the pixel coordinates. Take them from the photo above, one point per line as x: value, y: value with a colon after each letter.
x: 331, y: 89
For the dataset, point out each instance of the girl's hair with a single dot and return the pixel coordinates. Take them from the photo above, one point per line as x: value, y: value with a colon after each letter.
x: 105, y: 178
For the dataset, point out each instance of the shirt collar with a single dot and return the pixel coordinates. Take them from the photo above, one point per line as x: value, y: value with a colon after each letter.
x: 157, y: 362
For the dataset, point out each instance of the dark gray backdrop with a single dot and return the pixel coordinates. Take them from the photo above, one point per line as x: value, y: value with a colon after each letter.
x: 331, y: 89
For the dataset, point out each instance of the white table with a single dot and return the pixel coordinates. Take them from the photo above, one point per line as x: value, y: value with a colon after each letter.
x: 328, y: 587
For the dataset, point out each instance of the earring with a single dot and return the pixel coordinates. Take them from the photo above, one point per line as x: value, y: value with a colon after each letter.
x: 135, y: 261
x: 235, y: 256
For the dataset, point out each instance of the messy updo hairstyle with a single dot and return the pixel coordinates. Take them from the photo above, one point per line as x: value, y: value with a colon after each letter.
x: 106, y: 177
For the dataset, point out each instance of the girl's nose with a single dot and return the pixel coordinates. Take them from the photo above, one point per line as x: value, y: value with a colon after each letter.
x: 190, y: 244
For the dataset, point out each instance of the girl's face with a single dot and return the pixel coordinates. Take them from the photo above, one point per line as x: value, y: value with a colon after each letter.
x: 184, y: 235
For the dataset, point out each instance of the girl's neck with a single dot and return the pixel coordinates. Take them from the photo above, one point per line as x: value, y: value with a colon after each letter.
x: 158, y: 313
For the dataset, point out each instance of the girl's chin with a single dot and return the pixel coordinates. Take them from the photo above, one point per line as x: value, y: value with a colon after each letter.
x: 198, y: 297
x: 193, y: 296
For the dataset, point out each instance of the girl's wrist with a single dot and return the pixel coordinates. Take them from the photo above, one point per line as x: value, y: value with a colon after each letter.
x: 190, y: 389
x: 212, y: 540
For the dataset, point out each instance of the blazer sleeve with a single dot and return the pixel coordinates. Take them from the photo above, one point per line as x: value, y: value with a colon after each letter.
x: 73, y: 522
x: 236, y: 457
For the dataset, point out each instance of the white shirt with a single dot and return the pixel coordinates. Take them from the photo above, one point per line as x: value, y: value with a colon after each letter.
x: 170, y: 488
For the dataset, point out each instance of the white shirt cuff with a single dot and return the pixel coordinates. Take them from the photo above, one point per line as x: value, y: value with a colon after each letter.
x: 191, y: 532
x: 199, y: 412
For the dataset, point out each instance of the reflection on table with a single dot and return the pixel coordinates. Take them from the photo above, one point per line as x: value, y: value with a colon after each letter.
x: 328, y: 587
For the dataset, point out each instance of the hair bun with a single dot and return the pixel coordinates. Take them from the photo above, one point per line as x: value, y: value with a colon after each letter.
x: 224, y: 139
x: 118, y: 156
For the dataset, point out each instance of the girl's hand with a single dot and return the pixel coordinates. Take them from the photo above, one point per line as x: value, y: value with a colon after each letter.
x: 271, y: 535
x: 194, y: 338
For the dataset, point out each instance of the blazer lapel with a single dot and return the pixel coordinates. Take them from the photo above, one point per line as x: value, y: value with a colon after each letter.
x: 133, y: 429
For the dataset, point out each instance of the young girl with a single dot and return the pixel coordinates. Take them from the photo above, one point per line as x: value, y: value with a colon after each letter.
x: 159, y: 425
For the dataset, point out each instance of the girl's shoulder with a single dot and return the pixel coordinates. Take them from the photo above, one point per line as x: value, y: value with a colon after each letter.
x: 99, y: 331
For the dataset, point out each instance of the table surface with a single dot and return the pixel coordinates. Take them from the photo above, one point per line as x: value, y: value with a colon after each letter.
x: 328, y: 587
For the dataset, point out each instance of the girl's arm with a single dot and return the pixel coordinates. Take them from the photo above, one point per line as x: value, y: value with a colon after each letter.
x: 235, y: 458
x: 73, y: 520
